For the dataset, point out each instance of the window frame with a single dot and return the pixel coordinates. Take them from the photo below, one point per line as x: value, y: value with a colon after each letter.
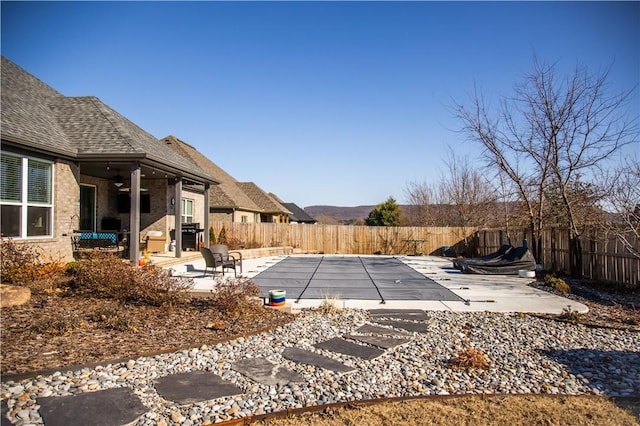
x: 26, y: 207
x: 183, y: 210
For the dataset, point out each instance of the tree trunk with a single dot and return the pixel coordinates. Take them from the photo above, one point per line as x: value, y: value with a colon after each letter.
x: 536, y: 243
x: 575, y: 256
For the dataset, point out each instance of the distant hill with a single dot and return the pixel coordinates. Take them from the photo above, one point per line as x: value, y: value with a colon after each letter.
x: 340, y: 213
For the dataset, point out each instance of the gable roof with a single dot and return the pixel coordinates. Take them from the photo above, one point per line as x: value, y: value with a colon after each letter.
x: 225, y: 195
x: 298, y: 214
x: 26, y: 117
x: 262, y: 199
x: 83, y: 128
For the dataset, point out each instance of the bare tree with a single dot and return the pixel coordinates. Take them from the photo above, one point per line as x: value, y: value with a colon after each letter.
x: 513, y: 153
x: 550, y: 137
x: 420, y: 198
x: 623, y: 200
x: 462, y: 196
x: 468, y: 193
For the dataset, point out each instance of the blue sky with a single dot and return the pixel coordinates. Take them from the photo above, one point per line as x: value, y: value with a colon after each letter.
x: 340, y: 103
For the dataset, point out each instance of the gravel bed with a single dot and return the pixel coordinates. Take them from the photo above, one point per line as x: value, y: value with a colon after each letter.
x: 526, y: 355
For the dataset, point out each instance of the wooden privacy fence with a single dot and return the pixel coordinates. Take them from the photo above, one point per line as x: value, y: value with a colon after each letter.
x: 603, y: 256
x: 342, y: 239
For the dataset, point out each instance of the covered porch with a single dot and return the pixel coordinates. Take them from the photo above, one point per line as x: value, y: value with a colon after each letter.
x: 125, y: 204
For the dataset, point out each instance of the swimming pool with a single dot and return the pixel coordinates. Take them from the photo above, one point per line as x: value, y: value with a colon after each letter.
x: 350, y: 277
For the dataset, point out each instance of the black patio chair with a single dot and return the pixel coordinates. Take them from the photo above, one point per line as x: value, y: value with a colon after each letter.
x: 218, y: 255
x: 227, y: 259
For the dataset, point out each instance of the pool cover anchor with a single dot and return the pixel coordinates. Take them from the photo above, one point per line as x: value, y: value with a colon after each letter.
x: 468, y: 301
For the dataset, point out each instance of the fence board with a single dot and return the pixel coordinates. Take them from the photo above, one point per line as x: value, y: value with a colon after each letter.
x: 344, y: 239
x: 603, y: 255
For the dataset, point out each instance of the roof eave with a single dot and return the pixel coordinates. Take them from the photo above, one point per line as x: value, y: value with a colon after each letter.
x: 143, y: 157
x: 40, y: 148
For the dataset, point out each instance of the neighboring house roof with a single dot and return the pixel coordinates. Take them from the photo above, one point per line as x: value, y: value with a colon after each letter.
x: 226, y: 195
x: 298, y: 214
x: 262, y: 199
x: 83, y: 128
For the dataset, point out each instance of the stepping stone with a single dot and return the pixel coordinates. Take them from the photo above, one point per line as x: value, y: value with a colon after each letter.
x: 195, y: 386
x: 379, y: 341
x: 266, y: 372
x: 404, y: 325
x: 407, y: 314
x: 346, y: 347
x: 374, y: 329
x: 304, y: 356
x: 4, y: 409
x: 102, y: 408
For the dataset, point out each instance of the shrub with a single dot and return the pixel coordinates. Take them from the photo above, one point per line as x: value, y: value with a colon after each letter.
x: 557, y: 283
x: 233, y: 297
x: 104, y: 275
x: 569, y: 314
x: 113, y: 318
x: 234, y: 244
x: 222, y: 236
x: 59, y: 325
x: 631, y: 317
x: 23, y: 264
x: 212, y: 236
x: 19, y: 262
x: 329, y: 305
x: 470, y: 358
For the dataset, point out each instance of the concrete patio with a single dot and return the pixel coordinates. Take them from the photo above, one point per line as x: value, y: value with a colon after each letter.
x: 492, y: 293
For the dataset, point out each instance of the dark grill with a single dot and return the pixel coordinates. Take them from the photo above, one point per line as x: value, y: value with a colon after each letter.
x: 191, y: 236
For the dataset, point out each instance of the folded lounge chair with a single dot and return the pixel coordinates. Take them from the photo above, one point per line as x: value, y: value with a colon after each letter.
x: 497, y: 255
x: 508, y: 264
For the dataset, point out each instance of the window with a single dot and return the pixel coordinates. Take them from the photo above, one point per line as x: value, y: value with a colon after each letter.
x: 186, y: 210
x: 26, y: 186
x: 243, y: 218
x: 124, y: 203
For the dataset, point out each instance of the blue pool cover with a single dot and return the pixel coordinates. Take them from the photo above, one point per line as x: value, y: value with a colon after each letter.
x: 358, y: 278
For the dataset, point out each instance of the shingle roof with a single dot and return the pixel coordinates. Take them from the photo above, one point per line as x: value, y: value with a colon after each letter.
x: 225, y: 195
x: 298, y: 214
x: 262, y: 199
x: 35, y: 115
x: 26, y: 117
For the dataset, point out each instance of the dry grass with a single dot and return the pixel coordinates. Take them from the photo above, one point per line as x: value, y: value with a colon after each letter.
x: 474, y: 411
x: 330, y: 305
x: 470, y: 358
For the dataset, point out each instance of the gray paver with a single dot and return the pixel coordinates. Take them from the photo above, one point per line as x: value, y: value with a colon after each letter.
x: 405, y: 325
x: 109, y: 407
x: 410, y: 314
x: 304, y: 356
x: 368, y: 328
x: 379, y: 341
x: 266, y: 372
x: 195, y: 386
x: 3, y: 413
x: 343, y: 346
